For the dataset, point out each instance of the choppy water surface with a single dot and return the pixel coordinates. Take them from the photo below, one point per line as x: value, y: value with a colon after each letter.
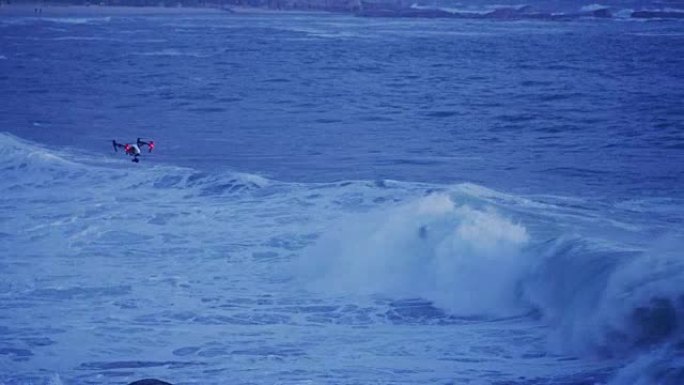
x: 338, y: 200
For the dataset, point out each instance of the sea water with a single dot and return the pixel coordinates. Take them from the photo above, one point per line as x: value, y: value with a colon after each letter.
x: 341, y: 200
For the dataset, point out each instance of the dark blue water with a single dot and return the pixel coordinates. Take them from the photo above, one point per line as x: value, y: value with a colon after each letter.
x: 588, y: 107
x: 341, y: 200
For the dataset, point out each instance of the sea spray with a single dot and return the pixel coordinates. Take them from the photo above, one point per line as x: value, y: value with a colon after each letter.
x: 467, y: 261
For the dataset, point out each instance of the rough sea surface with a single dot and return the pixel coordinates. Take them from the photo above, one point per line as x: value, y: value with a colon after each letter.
x: 341, y: 200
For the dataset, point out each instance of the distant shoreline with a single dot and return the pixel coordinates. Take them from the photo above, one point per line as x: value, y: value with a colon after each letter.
x: 364, y: 9
x: 43, y: 9
x: 53, y: 9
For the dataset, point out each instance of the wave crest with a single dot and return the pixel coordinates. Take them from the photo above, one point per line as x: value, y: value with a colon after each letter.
x: 27, y: 163
x: 463, y: 259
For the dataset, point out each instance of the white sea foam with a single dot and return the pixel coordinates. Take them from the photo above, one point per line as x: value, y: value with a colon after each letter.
x: 172, y: 52
x: 196, y: 251
x: 593, y: 7
x: 55, y: 379
x: 77, y: 20
x: 465, y: 260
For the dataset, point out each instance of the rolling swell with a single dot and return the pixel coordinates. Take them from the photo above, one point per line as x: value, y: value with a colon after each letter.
x: 612, y: 302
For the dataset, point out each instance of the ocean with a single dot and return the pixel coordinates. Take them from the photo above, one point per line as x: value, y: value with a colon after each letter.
x: 341, y: 200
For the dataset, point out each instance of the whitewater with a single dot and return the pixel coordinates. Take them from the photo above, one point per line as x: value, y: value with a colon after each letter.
x: 341, y: 200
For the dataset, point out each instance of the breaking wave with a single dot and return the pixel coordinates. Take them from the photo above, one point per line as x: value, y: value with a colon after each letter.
x: 473, y: 254
x: 21, y: 160
x: 464, y: 259
x: 463, y: 249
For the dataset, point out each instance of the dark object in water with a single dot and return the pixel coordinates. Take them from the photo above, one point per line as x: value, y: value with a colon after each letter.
x: 658, y: 15
x: 149, y: 381
x: 655, y: 322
